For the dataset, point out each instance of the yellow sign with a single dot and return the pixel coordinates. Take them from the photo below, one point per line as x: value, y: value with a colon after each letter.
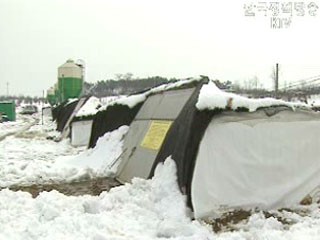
x: 156, y: 134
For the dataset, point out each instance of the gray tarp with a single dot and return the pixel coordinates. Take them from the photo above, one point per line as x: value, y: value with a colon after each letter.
x: 250, y: 160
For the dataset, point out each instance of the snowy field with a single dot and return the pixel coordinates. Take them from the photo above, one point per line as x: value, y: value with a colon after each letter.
x: 7, y: 128
x: 28, y: 157
x: 145, y: 209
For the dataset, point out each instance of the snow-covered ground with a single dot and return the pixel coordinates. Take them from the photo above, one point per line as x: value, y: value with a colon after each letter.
x: 6, y: 127
x: 145, y: 209
x: 22, y: 122
x: 28, y: 157
x: 314, y: 100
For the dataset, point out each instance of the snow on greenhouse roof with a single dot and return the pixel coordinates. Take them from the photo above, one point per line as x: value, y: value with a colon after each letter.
x: 211, y: 97
x: 71, y: 100
x: 132, y: 100
x: 89, y: 108
x: 170, y: 86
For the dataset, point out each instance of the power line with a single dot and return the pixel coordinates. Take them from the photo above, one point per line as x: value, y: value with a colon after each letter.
x: 302, y: 82
x: 312, y: 85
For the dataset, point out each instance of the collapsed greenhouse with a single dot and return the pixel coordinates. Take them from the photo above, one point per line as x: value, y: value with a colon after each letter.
x: 230, y: 151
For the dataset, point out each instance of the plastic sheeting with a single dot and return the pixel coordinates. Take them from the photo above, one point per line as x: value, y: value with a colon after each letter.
x: 80, y: 133
x: 249, y: 160
x: 159, y: 109
x: 62, y: 114
x: 183, y: 140
x: 47, y: 111
x: 111, y: 119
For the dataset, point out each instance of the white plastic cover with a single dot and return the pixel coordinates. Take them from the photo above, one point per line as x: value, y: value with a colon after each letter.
x: 47, y: 111
x: 80, y: 133
x: 250, y: 160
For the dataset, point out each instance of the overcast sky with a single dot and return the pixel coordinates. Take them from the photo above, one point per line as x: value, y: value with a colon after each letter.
x: 169, y: 38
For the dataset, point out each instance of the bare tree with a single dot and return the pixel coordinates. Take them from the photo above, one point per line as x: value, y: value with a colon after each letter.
x: 118, y: 76
x: 236, y: 85
x: 254, y: 82
x: 128, y: 76
x: 303, y: 84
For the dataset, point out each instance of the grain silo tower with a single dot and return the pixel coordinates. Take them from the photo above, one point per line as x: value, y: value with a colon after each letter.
x: 51, y: 96
x: 56, y: 92
x: 70, y: 80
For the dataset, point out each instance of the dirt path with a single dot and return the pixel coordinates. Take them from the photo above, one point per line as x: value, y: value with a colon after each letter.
x: 90, y: 187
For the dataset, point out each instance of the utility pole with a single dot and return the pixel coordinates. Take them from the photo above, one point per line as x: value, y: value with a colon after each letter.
x: 7, y: 89
x: 276, y: 85
x: 42, y: 107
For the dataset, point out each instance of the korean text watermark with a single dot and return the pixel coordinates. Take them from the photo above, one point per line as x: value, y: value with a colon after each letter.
x: 281, y: 14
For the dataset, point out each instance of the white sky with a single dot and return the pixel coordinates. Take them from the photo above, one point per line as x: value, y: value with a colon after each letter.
x: 170, y: 38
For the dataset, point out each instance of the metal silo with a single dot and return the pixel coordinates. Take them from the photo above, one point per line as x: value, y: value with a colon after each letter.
x: 51, y: 96
x: 56, y: 92
x: 70, y: 81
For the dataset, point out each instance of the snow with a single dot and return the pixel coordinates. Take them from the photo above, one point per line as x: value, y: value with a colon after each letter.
x: 89, y: 108
x: 44, y: 105
x: 259, y: 227
x: 8, y: 127
x: 30, y: 158
x: 145, y: 209
x: 107, y: 100
x: 71, y: 100
x: 133, y: 100
x: 166, y: 87
x: 101, y: 160
x: 314, y: 100
x: 130, y: 101
x: 211, y: 97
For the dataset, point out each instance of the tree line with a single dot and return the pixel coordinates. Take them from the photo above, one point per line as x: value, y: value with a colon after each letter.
x: 22, y: 99
x: 123, y: 85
